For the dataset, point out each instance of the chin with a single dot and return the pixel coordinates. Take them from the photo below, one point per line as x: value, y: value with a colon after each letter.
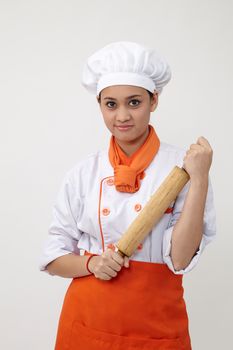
x: 126, y: 139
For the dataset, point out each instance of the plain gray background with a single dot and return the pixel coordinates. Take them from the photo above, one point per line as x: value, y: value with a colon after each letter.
x: 49, y: 122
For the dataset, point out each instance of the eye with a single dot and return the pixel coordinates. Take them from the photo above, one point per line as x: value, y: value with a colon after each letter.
x: 110, y: 104
x: 134, y: 103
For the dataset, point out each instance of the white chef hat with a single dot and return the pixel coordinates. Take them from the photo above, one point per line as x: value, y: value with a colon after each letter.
x: 125, y: 63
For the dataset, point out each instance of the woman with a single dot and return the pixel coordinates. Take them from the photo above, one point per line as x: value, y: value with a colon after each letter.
x: 113, y: 302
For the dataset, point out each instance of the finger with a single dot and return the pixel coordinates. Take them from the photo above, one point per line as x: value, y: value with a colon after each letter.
x: 113, y: 256
x: 190, y: 153
x: 109, y: 261
x: 109, y: 271
x: 103, y: 276
x: 126, y: 261
x: 203, y: 142
x: 118, y: 258
x: 114, y: 265
x: 196, y: 147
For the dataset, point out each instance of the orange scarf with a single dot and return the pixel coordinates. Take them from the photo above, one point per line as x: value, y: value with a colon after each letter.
x: 128, y: 171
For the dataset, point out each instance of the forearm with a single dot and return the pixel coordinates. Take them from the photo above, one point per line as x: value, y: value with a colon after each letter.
x: 105, y: 266
x: 188, y: 230
x: 69, y: 266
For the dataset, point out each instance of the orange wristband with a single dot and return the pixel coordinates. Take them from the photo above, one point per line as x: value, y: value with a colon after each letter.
x: 87, y: 262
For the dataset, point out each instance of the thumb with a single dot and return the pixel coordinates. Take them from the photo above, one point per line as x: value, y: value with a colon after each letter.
x: 126, y: 261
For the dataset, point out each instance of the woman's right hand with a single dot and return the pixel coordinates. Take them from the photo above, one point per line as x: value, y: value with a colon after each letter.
x: 107, y: 265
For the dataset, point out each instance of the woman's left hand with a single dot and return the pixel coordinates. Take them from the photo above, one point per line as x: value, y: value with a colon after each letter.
x: 198, y: 159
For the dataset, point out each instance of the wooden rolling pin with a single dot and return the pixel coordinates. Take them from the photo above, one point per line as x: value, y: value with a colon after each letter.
x: 153, y: 211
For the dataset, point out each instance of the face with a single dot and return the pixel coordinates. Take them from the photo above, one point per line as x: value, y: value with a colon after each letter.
x: 126, y: 111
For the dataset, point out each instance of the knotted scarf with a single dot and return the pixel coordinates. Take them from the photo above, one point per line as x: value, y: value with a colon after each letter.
x: 128, y: 171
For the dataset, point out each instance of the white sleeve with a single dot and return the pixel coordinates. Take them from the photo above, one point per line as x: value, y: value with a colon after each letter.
x: 209, y: 228
x: 63, y: 232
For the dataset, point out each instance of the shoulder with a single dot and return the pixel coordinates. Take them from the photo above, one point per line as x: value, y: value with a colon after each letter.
x: 167, y: 157
x: 166, y: 148
x: 171, y: 152
x: 87, y: 166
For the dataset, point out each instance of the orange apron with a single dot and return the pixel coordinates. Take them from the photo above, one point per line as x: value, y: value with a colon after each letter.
x: 140, y: 309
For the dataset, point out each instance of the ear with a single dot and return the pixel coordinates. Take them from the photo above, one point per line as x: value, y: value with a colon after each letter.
x: 154, y: 101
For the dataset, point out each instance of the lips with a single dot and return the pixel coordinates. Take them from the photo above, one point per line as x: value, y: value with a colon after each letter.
x: 123, y: 127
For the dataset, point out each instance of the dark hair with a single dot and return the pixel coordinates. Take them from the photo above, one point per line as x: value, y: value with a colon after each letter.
x: 149, y: 92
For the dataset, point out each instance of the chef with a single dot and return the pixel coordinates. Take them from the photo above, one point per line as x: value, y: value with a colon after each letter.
x: 114, y: 302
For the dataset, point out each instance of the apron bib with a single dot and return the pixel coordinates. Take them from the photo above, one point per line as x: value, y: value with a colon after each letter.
x: 140, y: 309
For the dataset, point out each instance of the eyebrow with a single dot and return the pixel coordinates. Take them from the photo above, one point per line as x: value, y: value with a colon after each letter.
x: 127, y: 98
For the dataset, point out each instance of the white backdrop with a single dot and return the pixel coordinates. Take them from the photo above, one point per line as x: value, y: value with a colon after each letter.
x: 49, y: 123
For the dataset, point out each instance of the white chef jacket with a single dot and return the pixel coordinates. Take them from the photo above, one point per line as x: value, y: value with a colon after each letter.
x: 89, y: 213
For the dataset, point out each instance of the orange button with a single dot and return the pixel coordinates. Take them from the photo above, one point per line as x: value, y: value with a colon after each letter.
x: 137, y: 207
x: 140, y: 246
x: 105, y: 211
x: 110, y: 182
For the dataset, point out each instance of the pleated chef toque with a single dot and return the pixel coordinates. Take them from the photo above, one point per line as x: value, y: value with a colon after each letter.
x: 125, y: 63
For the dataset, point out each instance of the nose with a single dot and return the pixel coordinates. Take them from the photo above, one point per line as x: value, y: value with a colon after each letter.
x: 123, y: 115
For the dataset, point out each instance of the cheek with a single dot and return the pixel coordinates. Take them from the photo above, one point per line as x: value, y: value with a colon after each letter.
x: 108, y: 119
x: 142, y: 114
